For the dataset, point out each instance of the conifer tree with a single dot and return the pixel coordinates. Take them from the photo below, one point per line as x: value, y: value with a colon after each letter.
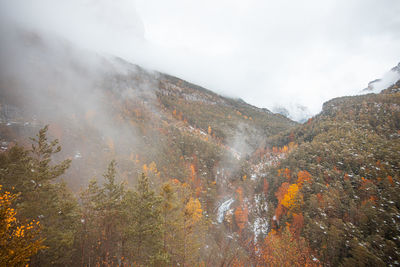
x: 169, y: 214
x: 144, y: 233
x: 32, y: 173
x: 102, y: 220
x: 110, y: 204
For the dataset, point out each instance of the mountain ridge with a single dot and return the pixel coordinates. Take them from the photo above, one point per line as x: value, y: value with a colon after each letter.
x: 241, y: 180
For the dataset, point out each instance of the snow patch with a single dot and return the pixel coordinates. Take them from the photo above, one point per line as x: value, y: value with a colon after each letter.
x: 223, y: 208
x: 260, y: 226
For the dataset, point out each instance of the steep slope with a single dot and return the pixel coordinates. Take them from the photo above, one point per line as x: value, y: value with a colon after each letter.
x: 331, y: 183
x: 225, y: 116
x: 103, y: 108
x: 339, y: 188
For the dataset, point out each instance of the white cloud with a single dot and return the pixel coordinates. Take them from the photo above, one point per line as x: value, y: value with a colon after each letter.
x: 270, y: 52
x: 266, y: 52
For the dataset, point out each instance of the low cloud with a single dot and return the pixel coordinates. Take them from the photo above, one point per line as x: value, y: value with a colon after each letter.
x: 265, y: 52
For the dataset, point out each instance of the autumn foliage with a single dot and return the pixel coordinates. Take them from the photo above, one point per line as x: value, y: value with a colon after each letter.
x: 280, y: 194
x: 193, y: 210
x: 285, y: 249
x: 292, y: 198
x: 303, y: 177
x: 18, y: 241
x: 289, y: 196
x: 265, y: 187
x: 241, y: 217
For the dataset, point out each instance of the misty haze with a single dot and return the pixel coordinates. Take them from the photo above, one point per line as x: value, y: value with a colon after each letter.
x: 184, y: 133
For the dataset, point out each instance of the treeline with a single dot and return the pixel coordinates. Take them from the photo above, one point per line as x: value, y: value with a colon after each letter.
x: 109, y: 224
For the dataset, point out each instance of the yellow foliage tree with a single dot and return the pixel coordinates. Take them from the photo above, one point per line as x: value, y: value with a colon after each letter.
x: 145, y: 169
x: 18, y: 242
x: 193, y: 211
x: 192, y: 215
x: 153, y: 167
x: 292, y: 198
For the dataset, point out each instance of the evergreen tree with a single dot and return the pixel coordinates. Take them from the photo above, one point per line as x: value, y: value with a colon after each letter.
x: 144, y: 235
x: 101, y: 240
x: 172, y: 215
x: 169, y: 214
x: 32, y: 173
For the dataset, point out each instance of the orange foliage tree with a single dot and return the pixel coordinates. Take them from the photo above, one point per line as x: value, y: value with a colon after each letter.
x: 265, y: 187
x: 302, y: 177
x: 284, y: 249
x: 192, y: 172
x: 241, y: 217
x: 282, y: 191
x: 390, y: 179
x: 280, y: 194
x: 285, y: 173
x: 239, y: 192
x: 297, y: 224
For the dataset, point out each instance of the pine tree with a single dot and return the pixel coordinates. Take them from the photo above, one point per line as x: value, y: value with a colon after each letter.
x: 90, y: 235
x: 110, y: 203
x: 101, y: 241
x: 144, y: 244
x: 32, y: 173
x: 170, y: 214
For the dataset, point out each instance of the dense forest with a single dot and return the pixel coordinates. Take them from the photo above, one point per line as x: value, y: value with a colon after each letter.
x: 331, y: 187
x: 339, y: 189
x: 149, y: 170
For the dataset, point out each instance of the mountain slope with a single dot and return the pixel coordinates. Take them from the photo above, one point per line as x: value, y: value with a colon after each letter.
x: 325, y: 191
x: 343, y: 181
x: 103, y: 108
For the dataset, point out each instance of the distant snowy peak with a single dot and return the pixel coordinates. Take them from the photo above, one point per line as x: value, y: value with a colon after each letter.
x: 293, y: 111
x: 281, y: 110
x: 396, y: 69
x: 388, y: 80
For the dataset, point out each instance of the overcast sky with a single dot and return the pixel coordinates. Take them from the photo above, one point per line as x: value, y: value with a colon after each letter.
x: 271, y: 52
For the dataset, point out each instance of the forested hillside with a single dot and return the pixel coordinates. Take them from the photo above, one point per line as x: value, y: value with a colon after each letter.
x: 339, y: 189
x: 176, y: 150
x: 105, y: 163
x: 102, y: 109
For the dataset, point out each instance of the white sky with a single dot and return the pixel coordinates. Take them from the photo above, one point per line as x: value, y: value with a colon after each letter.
x: 271, y: 52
